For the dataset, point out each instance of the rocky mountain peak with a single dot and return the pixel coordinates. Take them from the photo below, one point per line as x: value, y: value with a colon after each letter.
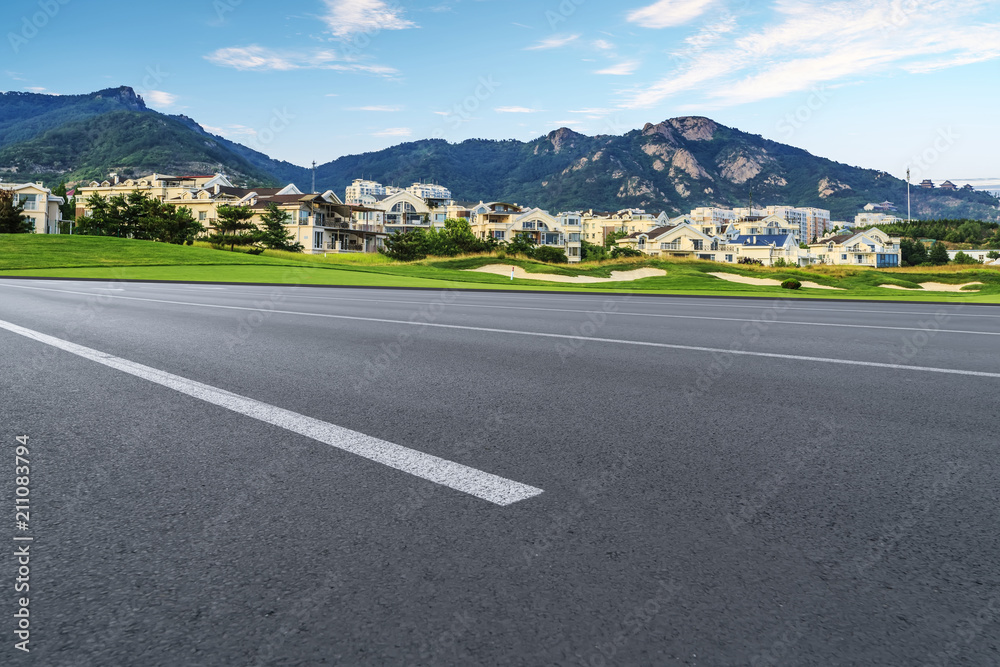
x: 563, y: 137
x: 695, y: 128
x: 125, y: 95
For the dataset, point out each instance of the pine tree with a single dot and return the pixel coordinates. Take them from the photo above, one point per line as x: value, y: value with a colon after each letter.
x: 11, y: 219
x: 275, y: 234
x: 235, y: 227
x: 939, y: 253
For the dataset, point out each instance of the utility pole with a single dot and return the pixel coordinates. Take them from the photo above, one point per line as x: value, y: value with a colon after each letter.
x: 907, y: 195
x: 314, y: 177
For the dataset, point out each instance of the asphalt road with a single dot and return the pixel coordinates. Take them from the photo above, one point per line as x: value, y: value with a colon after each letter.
x: 824, y: 493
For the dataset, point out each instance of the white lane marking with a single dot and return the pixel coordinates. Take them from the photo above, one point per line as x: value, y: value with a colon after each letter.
x: 667, y: 346
x: 590, y: 312
x: 484, y: 485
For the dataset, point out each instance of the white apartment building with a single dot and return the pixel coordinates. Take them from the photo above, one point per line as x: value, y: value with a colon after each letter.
x: 366, y: 193
x: 869, y: 219
x: 719, y: 218
x: 362, y: 192
x: 430, y: 191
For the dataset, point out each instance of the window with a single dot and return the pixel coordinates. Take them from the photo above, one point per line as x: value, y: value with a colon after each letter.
x: 843, y: 258
x: 698, y: 243
x: 202, y: 215
x: 573, y: 252
x: 498, y: 235
x: 574, y: 238
x: 318, y: 240
x: 528, y: 225
x: 303, y: 217
x: 729, y: 258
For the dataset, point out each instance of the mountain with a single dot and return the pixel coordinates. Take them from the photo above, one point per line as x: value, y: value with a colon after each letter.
x: 673, y: 166
x: 81, y: 137
x: 676, y: 165
x: 24, y: 116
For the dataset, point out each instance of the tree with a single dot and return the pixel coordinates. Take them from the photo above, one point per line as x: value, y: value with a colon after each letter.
x: 405, y: 246
x: 611, y: 238
x: 938, y: 254
x: 993, y: 254
x: 11, y: 219
x: 275, y: 234
x: 522, y: 244
x: 138, y: 216
x: 620, y: 251
x: 591, y: 252
x: 962, y: 258
x: 68, y: 208
x: 234, y: 227
x: 550, y: 255
x: 918, y: 253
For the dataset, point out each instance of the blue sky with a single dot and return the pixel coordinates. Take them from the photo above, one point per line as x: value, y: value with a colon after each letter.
x: 876, y: 83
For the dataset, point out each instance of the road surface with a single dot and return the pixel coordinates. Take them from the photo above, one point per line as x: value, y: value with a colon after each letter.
x: 282, y: 476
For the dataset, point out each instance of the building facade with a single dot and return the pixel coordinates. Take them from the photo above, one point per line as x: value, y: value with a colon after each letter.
x: 40, y: 206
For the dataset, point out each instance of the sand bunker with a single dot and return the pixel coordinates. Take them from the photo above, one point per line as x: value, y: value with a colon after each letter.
x: 770, y: 282
x: 616, y: 276
x: 934, y: 287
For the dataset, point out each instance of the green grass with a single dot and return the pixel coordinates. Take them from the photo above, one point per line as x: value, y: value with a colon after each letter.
x: 111, y: 258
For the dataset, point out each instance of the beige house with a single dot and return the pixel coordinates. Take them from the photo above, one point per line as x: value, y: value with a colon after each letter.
x: 681, y: 239
x: 40, y: 206
x: 871, y: 247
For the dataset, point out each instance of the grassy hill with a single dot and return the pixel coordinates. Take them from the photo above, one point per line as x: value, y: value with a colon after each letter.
x: 112, y: 259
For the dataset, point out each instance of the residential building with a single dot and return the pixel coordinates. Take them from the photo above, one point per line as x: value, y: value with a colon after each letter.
x: 681, y: 238
x: 978, y: 255
x: 719, y: 218
x: 871, y: 247
x: 872, y: 219
x: 363, y: 192
x: 320, y: 222
x: 884, y: 206
x: 40, y: 206
x: 405, y: 212
x: 163, y: 187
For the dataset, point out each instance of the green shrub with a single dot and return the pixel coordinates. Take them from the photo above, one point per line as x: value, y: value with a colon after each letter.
x: 624, y: 251
x: 791, y: 283
x: 550, y: 255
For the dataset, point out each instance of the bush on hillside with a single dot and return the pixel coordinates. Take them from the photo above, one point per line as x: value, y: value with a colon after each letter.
x: 791, y: 283
x: 551, y: 255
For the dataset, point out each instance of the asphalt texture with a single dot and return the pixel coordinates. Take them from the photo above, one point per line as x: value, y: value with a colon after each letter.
x: 699, y: 508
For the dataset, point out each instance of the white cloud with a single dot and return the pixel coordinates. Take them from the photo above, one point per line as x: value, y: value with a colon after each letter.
x: 603, y: 45
x: 36, y: 89
x: 815, y: 43
x: 621, y: 69
x: 256, y: 58
x: 376, y: 108
x: 553, y: 42
x: 393, y: 132
x: 669, y: 13
x: 160, y: 98
x: 348, y: 17
x: 515, y: 110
